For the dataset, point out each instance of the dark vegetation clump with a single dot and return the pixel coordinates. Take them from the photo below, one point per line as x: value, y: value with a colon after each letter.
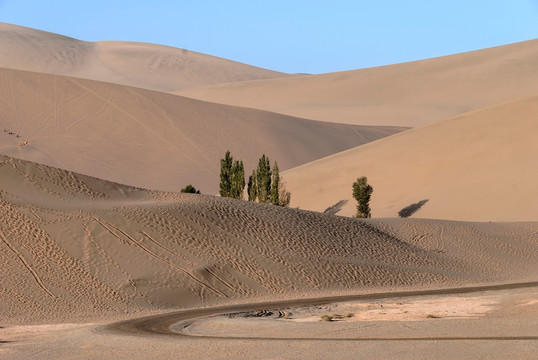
x: 189, y: 189
x: 265, y: 185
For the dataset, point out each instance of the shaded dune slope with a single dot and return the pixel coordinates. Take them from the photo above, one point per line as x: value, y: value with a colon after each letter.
x: 407, y: 94
x: 72, y: 245
x: 148, y: 66
x: 480, y: 166
x: 151, y: 139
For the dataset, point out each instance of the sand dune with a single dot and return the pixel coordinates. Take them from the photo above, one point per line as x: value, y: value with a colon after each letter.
x: 151, y: 139
x: 408, y: 94
x: 480, y: 166
x: 71, y: 249
x: 142, y: 65
x: 78, y: 253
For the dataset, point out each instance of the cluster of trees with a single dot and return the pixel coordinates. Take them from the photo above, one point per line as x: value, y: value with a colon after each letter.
x: 265, y: 185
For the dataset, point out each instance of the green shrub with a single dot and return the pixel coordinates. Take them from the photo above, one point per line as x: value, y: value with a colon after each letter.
x: 190, y: 190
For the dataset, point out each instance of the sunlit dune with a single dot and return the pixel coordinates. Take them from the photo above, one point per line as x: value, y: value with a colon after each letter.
x: 408, y: 94
x: 480, y: 166
x: 152, y: 139
x: 72, y: 248
x: 102, y: 256
x: 148, y: 66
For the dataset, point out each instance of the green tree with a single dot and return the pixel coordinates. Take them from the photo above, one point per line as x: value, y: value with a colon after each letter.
x: 252, y: 188
x: 226, y: 175
x: 232, y: 177
x: 237, y: 180
x: 362, y: 193
x: 189, y: 189
x: 265, y: 185
x: 263, y: 180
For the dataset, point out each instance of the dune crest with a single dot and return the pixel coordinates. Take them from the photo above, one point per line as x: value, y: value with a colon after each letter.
x: 143, y: 65
x: 480, y: 166
x: 152, y: 139
x: 72, y: 245
x: 408, y: 94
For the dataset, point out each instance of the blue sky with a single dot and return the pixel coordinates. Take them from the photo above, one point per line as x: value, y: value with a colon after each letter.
x: 291, y: 36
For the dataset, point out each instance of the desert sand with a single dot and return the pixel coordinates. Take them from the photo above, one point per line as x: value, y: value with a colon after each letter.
x: 72, y: 249
x: 409, y: 94
x: 480, y: 166
x: 101, y: 257
x: 152, y: 139
x: 148, y: 66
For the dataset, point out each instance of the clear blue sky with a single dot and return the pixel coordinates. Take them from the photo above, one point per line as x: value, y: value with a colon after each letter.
x: 291, y: 36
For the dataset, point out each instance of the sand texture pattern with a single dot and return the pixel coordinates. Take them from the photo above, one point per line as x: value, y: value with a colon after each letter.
x: 100, y: 256
x: 72, y: 249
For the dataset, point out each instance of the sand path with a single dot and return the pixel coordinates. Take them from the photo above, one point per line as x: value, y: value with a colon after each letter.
x: 171, y: 324
x: 505, y: 332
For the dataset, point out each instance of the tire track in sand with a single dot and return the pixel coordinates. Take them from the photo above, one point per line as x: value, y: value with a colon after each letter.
x: 151, y: 253
x: 27, y: 266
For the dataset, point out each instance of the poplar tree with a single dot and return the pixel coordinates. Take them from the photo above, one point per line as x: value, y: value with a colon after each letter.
x: 237, y: 180
x: 252, y: 188
x: 226, y: 175
x: 265, y: 185
x: 263, y: 180
x: 362, y: 193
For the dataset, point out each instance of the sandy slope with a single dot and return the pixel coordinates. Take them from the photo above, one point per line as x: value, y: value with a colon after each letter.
x: 72, y: 248
x: 480, y: 166
x: 151, y: 139
x: 407, y: 94
x: 486, y: 324
x: 142, y: 65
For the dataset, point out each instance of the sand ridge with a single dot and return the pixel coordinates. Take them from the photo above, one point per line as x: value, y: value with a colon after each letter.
x: 152, y: 139
x: 64, y: 261
x: 94, y: 268
x: 408, y: 94
x: 479, y: 166
x: 144, y: 65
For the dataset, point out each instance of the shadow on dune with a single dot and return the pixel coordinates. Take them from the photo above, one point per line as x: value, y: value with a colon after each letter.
x: 411, y: 209
x: 334, y: 209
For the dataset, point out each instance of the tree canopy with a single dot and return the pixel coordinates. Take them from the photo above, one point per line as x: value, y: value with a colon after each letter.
x: 232, y: 177
x: 362, y: 193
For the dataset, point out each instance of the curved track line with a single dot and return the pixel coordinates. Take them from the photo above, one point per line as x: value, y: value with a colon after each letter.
x: 160, y: 324
x: 151, y: 253
x: 28, y: 267
x: 426, y: 338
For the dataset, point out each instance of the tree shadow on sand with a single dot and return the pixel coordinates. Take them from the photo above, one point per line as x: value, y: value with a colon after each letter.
x: 332, y: 210
x: 411, y: 209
